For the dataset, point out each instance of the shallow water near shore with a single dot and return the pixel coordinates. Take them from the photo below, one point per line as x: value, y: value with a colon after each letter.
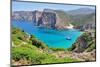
x: 51, y: 37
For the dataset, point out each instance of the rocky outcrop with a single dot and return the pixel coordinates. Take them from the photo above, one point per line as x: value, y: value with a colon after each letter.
x: 84, y: 21
x: 85, y: 43
x: 47, y: 18
x: 86, y: 27
x: 81, y: 45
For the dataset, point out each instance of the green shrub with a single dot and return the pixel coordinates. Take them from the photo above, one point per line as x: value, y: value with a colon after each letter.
x: 58, y: 49
x: 38, y: 43
x: 91, y: 48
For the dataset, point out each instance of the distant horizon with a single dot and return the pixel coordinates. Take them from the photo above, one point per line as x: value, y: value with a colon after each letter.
x: 32, y: 6
x: 48, y: 8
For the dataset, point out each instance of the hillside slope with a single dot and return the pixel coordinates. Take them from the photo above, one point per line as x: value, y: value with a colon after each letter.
x: 28, y: 50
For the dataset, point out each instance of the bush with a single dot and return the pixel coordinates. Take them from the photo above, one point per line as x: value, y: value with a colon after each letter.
x: 58, y: 49
x: 91, y: 48
x: 38, y: 43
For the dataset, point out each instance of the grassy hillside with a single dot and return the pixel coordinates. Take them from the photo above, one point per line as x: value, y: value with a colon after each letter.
x: 82, y: 19
x: 27, y: 50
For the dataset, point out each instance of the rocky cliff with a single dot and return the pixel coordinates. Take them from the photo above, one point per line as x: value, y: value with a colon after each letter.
x: 47, y: 18
x: 82, y: 19
x: 85, y: 43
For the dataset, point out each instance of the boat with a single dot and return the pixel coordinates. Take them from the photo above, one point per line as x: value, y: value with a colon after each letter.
x: 68, y: 38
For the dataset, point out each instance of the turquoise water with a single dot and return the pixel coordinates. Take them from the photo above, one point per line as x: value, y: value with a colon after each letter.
x: 53, y: 38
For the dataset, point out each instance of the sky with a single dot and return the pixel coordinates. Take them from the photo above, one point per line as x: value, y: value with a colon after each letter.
x: 31, y: 6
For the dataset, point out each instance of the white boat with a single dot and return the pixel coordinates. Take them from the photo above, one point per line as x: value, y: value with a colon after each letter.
x: 68, y: 38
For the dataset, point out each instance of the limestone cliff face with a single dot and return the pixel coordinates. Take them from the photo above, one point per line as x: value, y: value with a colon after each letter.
x: 63, y: 20
x: 47, y: 18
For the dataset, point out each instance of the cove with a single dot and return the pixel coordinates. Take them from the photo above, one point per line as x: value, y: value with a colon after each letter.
x: 51, y: 37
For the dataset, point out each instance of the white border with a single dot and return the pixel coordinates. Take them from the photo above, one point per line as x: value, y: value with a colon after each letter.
x: 5, y: 33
